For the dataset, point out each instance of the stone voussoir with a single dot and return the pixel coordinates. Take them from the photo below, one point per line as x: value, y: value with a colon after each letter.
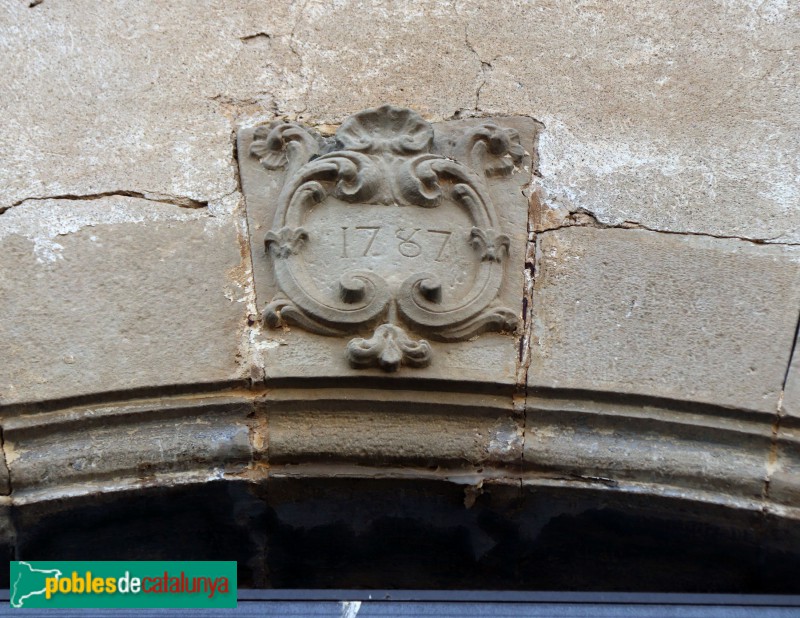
x: 662, y: 315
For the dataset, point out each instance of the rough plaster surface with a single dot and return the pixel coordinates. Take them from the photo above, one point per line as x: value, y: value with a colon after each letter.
x: 665, y: 315
x: 678, y: 116
x: 115, y: 294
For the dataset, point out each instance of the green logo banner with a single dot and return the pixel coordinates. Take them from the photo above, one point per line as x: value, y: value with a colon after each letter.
x: 122, y: 584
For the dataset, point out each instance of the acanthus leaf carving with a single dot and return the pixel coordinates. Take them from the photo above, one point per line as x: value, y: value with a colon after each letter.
x: 382, y: 165
x: 490, y: 149
x: 492, y: 245
x: 386, y: 129
x: 282, y: 143
x: 285, y: 242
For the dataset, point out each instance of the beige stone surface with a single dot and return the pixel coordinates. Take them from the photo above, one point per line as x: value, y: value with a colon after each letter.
x: 791, y: 393
x: 677, y: 116
x: 100, y: 98
x: 116, y: 294
x: 665, y: 315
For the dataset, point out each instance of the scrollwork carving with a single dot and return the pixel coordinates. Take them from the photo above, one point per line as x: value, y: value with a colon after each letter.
x: 498, y: 319
x: 382, y: 159
x: 283, y: 143
x: 386, y: 129
x: 282, y: 311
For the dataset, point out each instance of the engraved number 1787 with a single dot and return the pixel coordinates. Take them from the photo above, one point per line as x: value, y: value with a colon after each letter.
x: 410, y: 241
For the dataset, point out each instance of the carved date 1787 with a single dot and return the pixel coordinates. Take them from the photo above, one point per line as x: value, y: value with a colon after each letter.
x: 376, y: 235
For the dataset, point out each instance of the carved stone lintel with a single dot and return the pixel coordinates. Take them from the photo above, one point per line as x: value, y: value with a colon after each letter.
x: 410, y: 236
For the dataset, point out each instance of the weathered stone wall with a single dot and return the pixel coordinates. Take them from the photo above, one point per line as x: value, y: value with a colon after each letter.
x: 662, y: 279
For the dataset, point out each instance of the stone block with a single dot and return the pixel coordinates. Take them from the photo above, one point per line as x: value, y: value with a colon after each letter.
x: 784, y: 467
x: 637, y: 448
x: 99, y: 448
x: 644, y: 119
x: 117, y: 294
x: 662, y: 315
x: 372, y: 428
x: 791, y: 391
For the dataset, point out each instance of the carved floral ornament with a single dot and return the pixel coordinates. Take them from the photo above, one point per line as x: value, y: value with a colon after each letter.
x: 376, y: 235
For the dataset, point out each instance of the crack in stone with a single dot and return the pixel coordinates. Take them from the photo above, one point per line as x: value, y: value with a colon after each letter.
x: 772, y: 457
x: 585, y: 218
x: 182, y: 202
x: 5, y: 460
x: 252, y: 318
x: 792, y: 353
x: 300, y: 59
x: 529, y: 281
x: 226, y: 100
x: 482, y: 70
x: 525, y: 343
x: 258, y: 36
